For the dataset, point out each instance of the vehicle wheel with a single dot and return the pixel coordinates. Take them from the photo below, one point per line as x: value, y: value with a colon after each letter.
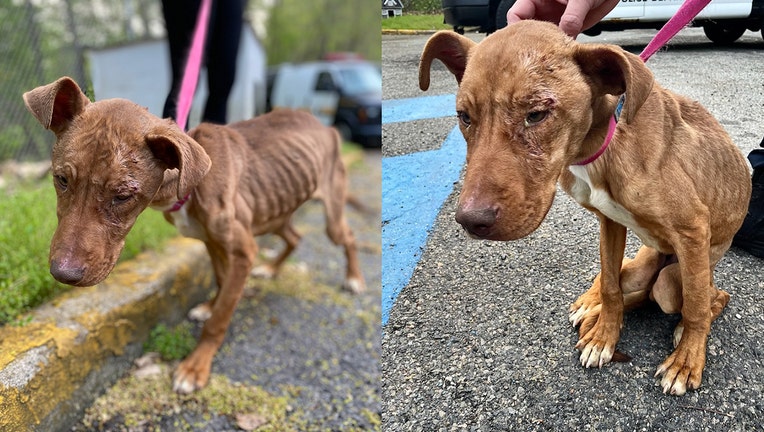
x: 723, y: 34
x: 501, y: 13
x: 459, y: 30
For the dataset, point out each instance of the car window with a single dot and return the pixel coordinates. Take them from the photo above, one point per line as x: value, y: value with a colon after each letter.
x: 361, y: 78
x: 325, y: 82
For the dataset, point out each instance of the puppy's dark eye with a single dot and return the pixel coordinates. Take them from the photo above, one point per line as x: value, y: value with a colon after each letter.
x: 120, y: 199
x: 464, y: 118
x: 535, y: 117
x: 61, y: 182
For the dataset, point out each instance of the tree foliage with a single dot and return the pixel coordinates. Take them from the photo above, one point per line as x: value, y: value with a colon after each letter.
x: 299, y: 30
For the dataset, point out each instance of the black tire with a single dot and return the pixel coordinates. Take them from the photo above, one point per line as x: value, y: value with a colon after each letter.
x: 459, y: 30
x: 501, y: 13
x: 723, y: 34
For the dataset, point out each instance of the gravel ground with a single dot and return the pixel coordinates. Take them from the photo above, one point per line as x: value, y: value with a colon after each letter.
x: 300, y: 354
x: 479, y: 339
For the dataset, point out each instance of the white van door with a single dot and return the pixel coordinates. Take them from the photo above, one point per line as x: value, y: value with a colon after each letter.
x: 326, y: 96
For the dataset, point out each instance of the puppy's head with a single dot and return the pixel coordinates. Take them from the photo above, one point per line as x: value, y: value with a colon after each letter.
x: 531, y: 102
x: 108, y: 162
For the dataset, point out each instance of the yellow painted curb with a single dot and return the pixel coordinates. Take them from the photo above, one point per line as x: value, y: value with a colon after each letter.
x: 77, y: 346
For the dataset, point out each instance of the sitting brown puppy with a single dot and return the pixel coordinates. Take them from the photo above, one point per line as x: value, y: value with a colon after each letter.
x: 536, y: 107
x: 220, y: 184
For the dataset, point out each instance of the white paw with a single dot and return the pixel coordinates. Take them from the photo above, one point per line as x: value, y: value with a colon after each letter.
x: 593, y: 356
x: 579, y: 314
x: 183, y: 385
x: 354, y: 285
x: 200, y: 313
x: 263, y: 272
x: 669, y: 385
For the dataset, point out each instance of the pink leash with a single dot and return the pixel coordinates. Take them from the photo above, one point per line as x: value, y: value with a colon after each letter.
x: 191, y: 77
x: 193, y: 65
x: 689, y: 10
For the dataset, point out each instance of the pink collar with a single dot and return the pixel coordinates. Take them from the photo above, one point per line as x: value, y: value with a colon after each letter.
x: 686, y: 12
x: 610, y: 132
x: 178, y: 204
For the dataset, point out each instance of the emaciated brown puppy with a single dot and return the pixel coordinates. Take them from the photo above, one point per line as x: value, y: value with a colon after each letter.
x: 220, y: 184
x: 534, y: 107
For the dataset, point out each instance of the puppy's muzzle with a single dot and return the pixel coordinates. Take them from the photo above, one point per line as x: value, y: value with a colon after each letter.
x: 478, y: 222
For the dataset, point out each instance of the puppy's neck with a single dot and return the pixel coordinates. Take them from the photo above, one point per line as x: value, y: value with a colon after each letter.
x: 602, y: 110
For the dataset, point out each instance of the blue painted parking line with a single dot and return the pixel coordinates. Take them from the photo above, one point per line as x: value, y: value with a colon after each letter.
x: 414, y: 187
x: 421, y: 108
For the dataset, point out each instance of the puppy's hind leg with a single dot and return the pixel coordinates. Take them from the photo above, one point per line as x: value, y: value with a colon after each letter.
x: 203, y: 311
x: 340, y: 234
x: 291, y: 239
x: 636, y: 279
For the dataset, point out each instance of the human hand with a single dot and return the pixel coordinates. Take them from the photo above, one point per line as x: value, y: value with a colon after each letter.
x: 572, y: 16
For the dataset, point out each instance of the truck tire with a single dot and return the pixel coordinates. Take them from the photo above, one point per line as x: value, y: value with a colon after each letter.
x: 723, y: 34
x: 501, y: 13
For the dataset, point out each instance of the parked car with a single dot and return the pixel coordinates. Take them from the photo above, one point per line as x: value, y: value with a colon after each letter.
x: 723, y: 21
x: 345, y: 93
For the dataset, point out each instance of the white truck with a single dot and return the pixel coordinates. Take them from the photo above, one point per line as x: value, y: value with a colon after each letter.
x: 723, y: 21
x: 346, y: 94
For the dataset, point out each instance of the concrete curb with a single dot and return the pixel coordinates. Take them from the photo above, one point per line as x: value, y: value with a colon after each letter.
x: 407, y: 32
x: 77, y: 346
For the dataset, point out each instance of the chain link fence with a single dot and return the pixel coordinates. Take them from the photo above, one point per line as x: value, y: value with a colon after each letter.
x: 42, y: 40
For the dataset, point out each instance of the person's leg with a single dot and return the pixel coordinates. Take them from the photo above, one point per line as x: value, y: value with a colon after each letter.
x: 750, y: 237
x: 222, y: 51
x: 180, y: 19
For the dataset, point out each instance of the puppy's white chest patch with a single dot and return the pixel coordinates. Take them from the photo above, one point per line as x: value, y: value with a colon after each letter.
x: 586, y: 194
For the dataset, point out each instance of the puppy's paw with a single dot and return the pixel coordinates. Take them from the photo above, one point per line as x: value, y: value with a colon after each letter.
x: 597, y: 345
x: 192, y: 373
x: 263, y: 271
x: 354, y: 285
x: 201, y: 313
x: 594, y: 355
x: 586, y: 307
x: 683, y: 369
x: 584, y: 316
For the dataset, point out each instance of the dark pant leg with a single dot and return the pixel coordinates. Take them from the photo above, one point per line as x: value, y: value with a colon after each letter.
x: 222, y: 51
x: 180, y: 20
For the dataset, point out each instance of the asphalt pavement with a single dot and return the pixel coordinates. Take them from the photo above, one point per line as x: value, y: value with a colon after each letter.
x: 476, y: 334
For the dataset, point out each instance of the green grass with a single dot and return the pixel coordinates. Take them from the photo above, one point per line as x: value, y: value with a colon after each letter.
x: 415, y: 22
x: 27, y: 223
x: 171, y: 344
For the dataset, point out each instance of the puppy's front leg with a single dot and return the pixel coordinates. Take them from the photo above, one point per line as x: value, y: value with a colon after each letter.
x: 235, y: 256
x: 598, y: 344
x: 683, y: 369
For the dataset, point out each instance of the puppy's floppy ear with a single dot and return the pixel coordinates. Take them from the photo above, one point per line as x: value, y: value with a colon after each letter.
x: 449, y: 47
x: 615, y: 71
x: 55, y: 105
x: 175, y: 149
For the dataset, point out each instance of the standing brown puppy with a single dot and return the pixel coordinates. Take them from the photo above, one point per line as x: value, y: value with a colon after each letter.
x: 220, y: 184
x: 535, y: 107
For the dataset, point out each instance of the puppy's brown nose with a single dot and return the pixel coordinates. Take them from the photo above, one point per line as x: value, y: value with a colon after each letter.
x: 477, y: 222
x: 67, y: 273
